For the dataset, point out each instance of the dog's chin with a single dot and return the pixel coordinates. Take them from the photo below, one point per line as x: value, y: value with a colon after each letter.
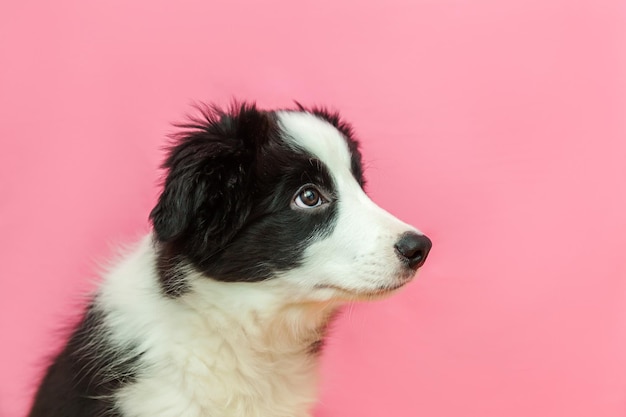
x: 367, y: 294
x: 378, y: 294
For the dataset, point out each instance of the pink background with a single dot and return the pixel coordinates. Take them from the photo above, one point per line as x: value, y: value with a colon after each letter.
x: 497, y: 127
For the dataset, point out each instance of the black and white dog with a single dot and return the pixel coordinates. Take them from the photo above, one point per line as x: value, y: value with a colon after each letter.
x: 261, y: 232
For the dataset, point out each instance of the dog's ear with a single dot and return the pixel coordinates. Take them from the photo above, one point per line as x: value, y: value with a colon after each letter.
x: 206, y: 197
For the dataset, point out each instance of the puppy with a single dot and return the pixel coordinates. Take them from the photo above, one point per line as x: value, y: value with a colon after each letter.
x: 261, y: 232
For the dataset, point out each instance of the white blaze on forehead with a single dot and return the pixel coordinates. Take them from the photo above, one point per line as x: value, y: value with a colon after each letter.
x: 316, y: 136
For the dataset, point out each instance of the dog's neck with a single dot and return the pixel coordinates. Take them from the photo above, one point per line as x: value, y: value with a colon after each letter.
x: 271, y: 321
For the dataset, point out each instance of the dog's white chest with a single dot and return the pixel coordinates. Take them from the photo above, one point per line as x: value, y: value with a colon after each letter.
x: 224, y: 362
x: 201, y: 385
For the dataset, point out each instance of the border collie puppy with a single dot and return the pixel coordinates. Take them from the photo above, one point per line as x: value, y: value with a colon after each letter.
x: 261, y: 232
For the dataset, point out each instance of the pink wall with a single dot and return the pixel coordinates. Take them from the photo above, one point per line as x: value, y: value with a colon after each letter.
x: 497, y: 127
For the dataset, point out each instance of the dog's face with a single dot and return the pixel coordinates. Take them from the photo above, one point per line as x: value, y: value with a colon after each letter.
x: 277, y: 196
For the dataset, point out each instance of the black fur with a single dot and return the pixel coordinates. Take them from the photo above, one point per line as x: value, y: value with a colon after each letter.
x: 87, y: 371
x: 171, y: 269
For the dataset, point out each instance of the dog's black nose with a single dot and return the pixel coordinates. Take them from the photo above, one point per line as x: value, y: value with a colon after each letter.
x: 413, y: 249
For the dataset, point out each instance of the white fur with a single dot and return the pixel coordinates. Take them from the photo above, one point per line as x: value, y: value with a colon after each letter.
x: 240, y: 349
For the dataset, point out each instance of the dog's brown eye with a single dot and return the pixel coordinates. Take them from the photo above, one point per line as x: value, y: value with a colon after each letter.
x: 309, y: 197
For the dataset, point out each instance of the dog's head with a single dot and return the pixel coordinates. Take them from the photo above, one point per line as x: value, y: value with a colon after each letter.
x: 255, y: 195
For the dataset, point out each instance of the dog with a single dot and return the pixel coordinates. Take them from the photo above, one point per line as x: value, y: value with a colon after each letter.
x: 262, y: 231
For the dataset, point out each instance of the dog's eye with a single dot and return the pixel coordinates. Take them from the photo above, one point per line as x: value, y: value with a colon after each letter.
x: 309, y: 197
